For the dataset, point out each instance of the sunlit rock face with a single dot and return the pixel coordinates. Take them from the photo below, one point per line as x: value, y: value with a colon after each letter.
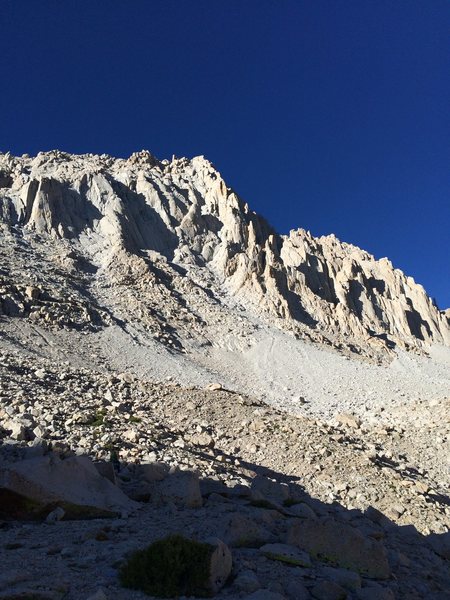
x: 127, y: 215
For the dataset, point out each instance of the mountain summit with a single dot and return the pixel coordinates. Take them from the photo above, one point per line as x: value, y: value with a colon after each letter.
x: 153, y: 222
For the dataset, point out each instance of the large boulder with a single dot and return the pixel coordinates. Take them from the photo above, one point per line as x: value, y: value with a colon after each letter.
x: 180, y: 487
x: 266, y: 490
x: 32, y: 488
x: 341, y: 544
x: 221, y: 563
x: 243, y: 531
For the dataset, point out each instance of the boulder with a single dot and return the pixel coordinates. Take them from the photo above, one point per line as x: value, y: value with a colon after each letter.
x: 341, y: 544
x: 244, y: 532
x: 32, y: 292
x: 301, y: 510
x: 55, y: 515
x: 180, y: 487
x: 203, y: 440
x: 348, y: 421
x: 33, y: 488
x: 154, y: 471
x: 214, y: 387
x: 264, y: 489
x: 221, y: 563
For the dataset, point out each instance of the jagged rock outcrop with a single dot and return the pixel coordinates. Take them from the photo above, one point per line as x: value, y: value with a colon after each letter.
x: 153, y: 217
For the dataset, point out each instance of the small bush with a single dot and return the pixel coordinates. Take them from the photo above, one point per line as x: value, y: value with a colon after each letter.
x: 171, y: 567
x: 134, y: 419
x: 97, y: 419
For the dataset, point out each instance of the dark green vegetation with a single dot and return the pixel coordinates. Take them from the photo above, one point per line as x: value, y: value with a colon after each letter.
x: 169, y: 568
x: 98, y: 419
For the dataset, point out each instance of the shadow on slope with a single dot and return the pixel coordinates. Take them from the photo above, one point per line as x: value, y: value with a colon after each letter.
x: 266, y: 503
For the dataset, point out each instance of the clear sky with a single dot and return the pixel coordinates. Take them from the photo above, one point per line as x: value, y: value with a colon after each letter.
x: 331, y: 115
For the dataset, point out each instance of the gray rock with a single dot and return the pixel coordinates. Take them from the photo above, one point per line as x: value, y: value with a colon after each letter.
x: 220, y: 565
x: 342, y: 545
x: 263, y: 488
x: 348, y: 421
x: 350, y: 293
x: 301, y: 510
x: 155, y: 471
x: 180, y: 487
x: 31, y: 488
x: 202, y: 439
x: 244, y: 532
x: 214, y: 387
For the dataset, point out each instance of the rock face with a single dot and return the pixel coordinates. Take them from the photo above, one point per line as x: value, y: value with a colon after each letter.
x: 341, y: 544
x: 142, y: 220
x: 33, y: 488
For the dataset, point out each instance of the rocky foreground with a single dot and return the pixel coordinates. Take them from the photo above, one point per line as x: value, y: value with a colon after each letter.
x: 309, y: 509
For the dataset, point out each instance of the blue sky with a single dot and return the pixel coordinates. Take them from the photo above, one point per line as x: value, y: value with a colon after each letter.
x: 330, y: 115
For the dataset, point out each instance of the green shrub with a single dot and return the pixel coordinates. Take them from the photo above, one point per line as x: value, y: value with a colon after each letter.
x: 169, y: 568
x: 134, y: 419
x: 97, y: 419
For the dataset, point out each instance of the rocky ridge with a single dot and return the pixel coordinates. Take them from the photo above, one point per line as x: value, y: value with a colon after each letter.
x: 143, y: 220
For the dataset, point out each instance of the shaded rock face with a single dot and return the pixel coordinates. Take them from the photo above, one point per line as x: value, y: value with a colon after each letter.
x: 341, y: 544
x: 34, y: 487
x: 118, y: 212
